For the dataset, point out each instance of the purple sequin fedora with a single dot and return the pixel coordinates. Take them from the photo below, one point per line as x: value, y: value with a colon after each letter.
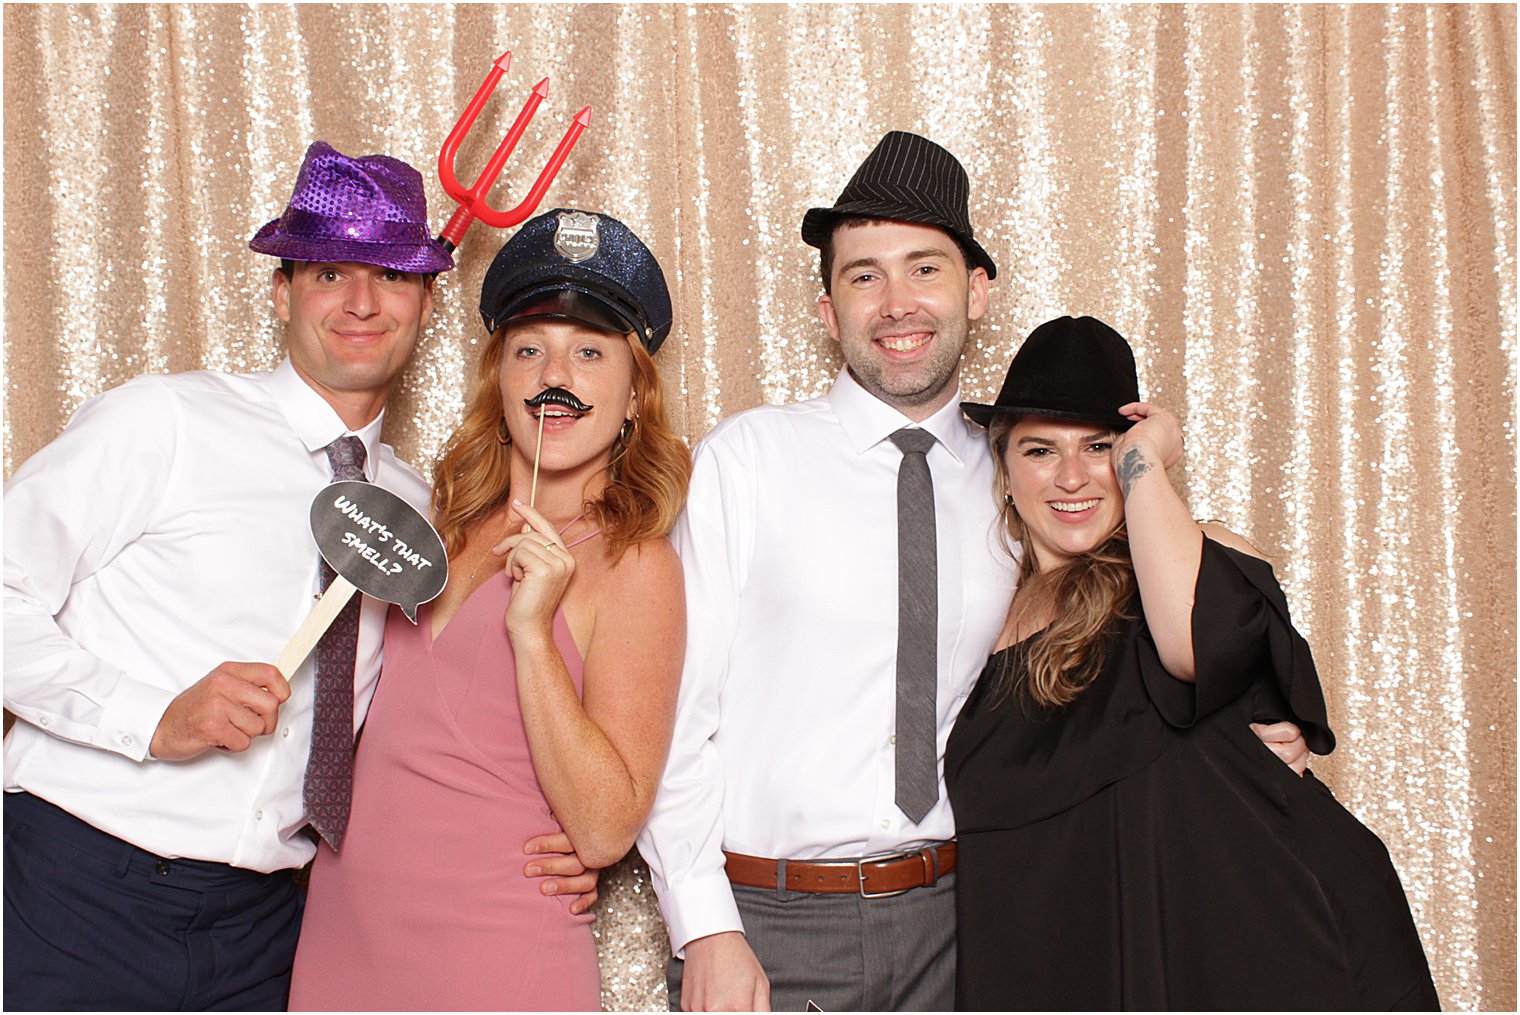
x: 371, y: 209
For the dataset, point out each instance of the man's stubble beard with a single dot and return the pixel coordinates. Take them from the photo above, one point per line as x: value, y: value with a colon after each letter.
x: 912, y: 390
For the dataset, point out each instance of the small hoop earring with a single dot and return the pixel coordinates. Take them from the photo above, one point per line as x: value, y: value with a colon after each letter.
x: 625, y: 435
x: 502, y: 436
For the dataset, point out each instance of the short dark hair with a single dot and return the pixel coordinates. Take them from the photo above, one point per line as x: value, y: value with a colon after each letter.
x: 826, y: 248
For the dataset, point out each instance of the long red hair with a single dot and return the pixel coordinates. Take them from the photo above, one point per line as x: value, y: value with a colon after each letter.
x: 646, y: 483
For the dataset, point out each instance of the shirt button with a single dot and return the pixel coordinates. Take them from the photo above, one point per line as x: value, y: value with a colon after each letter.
x: 126, y: 741
x: 892, y: 739
x: 258, y: 815
x: 42, y: 721
x: 886, y: 822
x: 285, y: 732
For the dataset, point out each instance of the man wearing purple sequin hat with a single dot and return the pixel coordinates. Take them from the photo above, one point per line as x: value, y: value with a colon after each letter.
x: 161, y: 774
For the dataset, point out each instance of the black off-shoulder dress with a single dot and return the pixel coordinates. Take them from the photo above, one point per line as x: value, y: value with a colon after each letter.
x: 1142, y: 849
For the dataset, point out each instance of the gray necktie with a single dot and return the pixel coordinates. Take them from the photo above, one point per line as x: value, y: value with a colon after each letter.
x: 917, y: 772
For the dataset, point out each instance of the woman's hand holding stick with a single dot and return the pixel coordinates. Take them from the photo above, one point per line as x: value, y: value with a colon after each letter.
x: 541, y: 566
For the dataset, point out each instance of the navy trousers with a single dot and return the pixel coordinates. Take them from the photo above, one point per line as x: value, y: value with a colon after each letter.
x: 94, y: 923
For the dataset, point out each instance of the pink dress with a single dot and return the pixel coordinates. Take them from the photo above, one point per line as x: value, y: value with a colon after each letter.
x: 426, y: 907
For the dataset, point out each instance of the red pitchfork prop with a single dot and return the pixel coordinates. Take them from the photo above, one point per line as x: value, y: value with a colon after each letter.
x: 472, y: 202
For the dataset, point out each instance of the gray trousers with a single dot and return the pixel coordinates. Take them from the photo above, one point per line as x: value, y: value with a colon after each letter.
x: 847, y: 953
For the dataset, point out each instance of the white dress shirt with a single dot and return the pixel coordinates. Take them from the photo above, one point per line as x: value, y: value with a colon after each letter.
x: 165, y: 531
x: 784, y: 729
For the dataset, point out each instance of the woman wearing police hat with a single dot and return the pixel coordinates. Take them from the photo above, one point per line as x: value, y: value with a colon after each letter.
x: 1126, y: 841
x: 538, y: 691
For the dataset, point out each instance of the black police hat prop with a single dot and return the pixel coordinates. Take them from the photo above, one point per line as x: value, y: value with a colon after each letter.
x: 582, y: 266
x: 906, y: 178
x: 1075, y: 368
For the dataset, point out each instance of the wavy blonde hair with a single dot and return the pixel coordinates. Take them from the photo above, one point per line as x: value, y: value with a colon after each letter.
x: 1084, y: 596
x: 646, y: 484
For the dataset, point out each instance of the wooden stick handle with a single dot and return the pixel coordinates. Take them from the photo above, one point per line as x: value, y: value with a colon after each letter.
x: 315, y: 626
x: 537, y: 454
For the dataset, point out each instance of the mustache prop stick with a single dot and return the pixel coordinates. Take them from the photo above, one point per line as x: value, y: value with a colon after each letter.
x: 549, y: 396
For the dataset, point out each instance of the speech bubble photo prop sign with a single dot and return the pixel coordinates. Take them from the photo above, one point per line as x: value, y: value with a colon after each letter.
x: 379, y: 545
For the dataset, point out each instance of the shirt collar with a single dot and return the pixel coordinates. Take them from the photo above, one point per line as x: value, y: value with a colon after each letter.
x: 868, y: 421
x: 316, y: 423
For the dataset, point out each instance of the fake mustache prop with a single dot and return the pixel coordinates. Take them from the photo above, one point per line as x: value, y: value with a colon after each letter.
x: 556, y: 396
x: 549, y: 396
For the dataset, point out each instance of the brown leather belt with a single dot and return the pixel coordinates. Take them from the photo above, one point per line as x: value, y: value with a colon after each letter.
x: 872, y: 876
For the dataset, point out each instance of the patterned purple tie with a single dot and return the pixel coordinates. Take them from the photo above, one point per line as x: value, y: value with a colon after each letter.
x: 330, y: 768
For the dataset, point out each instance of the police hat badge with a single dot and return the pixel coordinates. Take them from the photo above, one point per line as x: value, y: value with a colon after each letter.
x: 576, y: 237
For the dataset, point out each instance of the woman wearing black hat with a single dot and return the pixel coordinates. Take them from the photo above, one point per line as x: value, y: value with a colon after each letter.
x: 1126, y: 841
x: 537, y: 692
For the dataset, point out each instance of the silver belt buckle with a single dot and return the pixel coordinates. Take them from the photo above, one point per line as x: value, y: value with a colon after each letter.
x: 860, y: 873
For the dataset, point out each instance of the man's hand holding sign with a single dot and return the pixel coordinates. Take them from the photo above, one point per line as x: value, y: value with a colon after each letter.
x: 226, y: 708
x: 378, y: 544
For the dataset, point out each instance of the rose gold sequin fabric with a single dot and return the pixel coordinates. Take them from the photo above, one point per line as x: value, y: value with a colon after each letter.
x: 1302, y: 216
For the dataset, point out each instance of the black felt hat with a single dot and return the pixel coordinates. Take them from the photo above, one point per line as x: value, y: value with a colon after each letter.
x: 583, y: 266
x: 906, y: 178
x: 1074, y: 368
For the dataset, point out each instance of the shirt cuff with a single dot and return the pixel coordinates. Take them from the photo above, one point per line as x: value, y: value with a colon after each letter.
x: 699, y: 908
x: 131, y: 717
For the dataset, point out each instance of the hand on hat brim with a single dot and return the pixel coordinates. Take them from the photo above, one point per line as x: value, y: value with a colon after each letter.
x: 1157, y: 427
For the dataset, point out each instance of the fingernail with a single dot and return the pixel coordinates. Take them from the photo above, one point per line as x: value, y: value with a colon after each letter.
x: 516, y: 502
x: 534, y: 870
x: 551, y: 888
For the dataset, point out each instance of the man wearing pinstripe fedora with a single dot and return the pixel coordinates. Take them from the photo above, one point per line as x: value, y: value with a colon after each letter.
x: 802, y: 843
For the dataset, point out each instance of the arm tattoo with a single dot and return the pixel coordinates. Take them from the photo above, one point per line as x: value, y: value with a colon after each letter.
x: 1131, y: 467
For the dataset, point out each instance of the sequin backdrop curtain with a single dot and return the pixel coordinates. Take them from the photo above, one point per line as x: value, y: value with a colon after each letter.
x: 1304, y: 217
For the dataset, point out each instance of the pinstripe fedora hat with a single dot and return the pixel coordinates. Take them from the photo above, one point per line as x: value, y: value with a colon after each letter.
x: 906, y: 178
